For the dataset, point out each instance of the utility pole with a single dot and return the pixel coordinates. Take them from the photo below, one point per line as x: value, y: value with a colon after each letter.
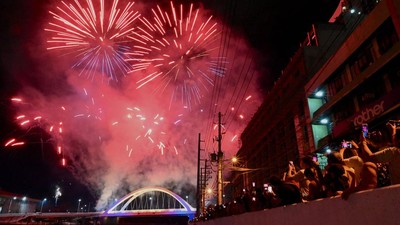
x: 220, y: 160
x: 198, y: 193
x: 205, y: 176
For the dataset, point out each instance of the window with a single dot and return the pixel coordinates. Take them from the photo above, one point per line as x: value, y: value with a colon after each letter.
x: 386, y: 37
x: 362, y: 60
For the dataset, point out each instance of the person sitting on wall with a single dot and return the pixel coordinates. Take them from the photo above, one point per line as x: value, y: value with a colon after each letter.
x: 368, y: 180
x: 336, y: 181
x: 336, y: 159
x: 315, y: 186
x: 299, y: 177
x: 286, y: 192
x: 352, y: 160
x: 385, y: 152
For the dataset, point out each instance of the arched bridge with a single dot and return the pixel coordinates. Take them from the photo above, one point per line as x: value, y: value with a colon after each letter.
x: 151, y: 201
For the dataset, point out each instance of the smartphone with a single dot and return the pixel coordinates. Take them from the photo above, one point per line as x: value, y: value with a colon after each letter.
x: 315, y: 158
x: 364, y: 129
x: 346, y: 144
x: 269, y: 189
x: 291, y: 163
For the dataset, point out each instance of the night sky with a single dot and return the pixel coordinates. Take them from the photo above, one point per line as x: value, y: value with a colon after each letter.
x: 271, y: 31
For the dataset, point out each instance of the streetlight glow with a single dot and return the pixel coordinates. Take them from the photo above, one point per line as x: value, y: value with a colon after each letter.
x: 43, y: 201
x: 234, y: 159
x: 319, y: 94
x: 79, y: 203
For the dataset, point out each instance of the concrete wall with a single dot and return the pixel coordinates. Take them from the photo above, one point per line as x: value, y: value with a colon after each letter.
x: 379, y: 206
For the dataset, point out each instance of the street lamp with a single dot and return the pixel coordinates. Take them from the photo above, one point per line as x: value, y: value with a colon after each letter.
x: 151, y: 202
x: 79, y: 203
x: 234, y: 159
x: 43, y: 201
x: 9, y: 206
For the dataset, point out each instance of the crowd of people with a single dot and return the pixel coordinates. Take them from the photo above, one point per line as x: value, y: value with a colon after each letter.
x: 370, y: 162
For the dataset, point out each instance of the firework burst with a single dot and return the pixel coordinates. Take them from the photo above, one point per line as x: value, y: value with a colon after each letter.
x: 33, y: 120
x: 94, y: 36
x: 178, y: 51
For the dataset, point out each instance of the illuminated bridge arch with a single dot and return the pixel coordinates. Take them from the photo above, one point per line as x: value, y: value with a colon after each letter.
x: 151, y: 201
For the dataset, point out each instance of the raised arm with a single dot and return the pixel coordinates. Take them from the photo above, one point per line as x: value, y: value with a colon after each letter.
x: 392, y: 127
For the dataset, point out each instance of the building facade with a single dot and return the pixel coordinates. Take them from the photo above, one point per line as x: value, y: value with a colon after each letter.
x: 359, y: 84
x: 344, y: 74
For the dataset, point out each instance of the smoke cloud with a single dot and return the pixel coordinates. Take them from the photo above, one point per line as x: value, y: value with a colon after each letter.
x: 117, y: 138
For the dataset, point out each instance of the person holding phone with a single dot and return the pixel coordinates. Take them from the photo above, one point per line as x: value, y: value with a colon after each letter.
x: 387, y: 154
x: 299, y: 177
x: 352, y: 160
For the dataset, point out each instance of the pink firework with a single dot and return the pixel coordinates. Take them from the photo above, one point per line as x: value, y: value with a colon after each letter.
x: 178, y: 52
x: 150, y: 129
x: 94, y: 36
x: 32, y: 120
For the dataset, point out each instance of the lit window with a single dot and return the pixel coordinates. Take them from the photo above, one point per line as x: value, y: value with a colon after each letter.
x: 324, y: 121
x: 319, y: 94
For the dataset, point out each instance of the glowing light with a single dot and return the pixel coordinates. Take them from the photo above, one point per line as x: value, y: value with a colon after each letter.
x: 234, y: 138
x: 18, y: 143
x: 25, y: 122
x: 234, y: 159
x: 16, y: 99
x: 324, y: 121
x: 9, y: 142
x: 319, y: 94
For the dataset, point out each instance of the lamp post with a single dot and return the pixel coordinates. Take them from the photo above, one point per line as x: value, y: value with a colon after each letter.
x: 43, y: 201
x: 9, y: 206
x: 151, y: 202
x: 79, y: 203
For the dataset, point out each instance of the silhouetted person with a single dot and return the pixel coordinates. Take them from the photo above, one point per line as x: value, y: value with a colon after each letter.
x: 287, y: 193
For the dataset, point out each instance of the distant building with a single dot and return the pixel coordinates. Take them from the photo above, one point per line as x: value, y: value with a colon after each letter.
x: 14, y: 203
x: 346, y: 72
